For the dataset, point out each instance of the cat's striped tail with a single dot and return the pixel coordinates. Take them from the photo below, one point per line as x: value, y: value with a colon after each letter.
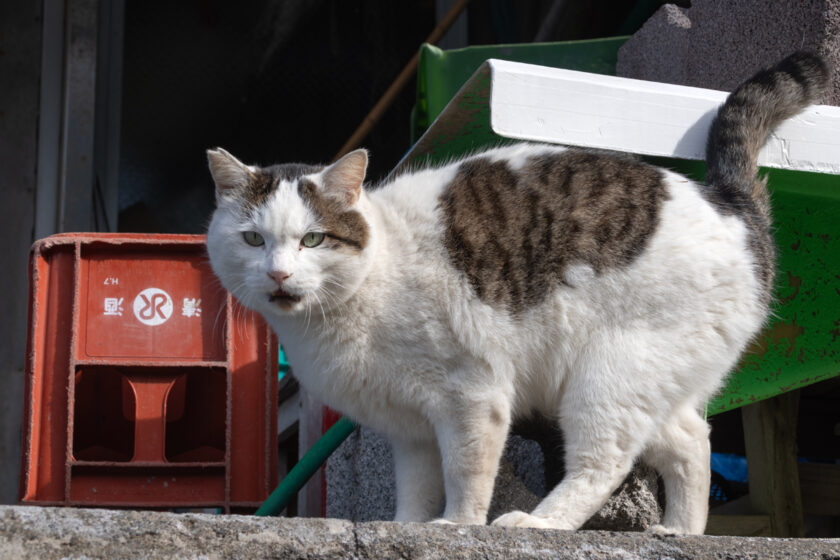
x: 747, y: 118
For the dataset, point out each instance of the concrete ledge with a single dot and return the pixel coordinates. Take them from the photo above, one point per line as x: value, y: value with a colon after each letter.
x: 53, y: 533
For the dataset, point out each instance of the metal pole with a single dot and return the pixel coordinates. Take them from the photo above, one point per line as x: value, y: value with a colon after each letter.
x: 306, y: 467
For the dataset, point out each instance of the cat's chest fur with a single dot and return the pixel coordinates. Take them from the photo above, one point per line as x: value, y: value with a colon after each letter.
x: 383, y: 369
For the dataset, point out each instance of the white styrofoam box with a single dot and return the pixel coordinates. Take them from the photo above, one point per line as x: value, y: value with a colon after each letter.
x: 544, y: 104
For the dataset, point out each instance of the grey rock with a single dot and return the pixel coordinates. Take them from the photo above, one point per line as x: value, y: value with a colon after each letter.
x: 717, y: 44
x: 634, y: 506
x: 360, y: 479
x: 510, y: 493
x: 526, y: 459
x: 33, y: 533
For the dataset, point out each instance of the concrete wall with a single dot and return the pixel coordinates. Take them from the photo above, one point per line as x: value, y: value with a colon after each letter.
x: 20, y: 66
x: 716, y: 44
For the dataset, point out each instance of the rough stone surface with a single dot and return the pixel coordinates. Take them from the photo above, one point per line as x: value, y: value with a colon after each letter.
x: 717, y: 44
x: 62, y: 533
x: 360, y: 479
x: 526, y: 459
x: 633, y: 507
x: 510, y: 493
x: 360, y: 485
x: 47, y: 533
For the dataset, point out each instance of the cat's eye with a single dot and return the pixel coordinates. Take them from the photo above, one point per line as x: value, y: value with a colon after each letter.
x: 253, y: 238
x: 312, y: 239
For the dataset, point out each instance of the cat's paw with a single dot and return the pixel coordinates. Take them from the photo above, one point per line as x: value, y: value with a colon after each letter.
x: 521, y: 519
x: 663, y: 530
x: 442, y: 521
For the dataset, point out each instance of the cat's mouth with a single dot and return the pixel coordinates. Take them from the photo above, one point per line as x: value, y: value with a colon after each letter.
x: 283, y: 298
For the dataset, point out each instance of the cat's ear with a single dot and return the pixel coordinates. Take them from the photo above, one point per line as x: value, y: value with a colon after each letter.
x: 344, y: 178
x: 228, y: 173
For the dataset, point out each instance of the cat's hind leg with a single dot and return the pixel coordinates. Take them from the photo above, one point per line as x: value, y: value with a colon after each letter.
x: 606, y: 417
x: 596, y: 463
x: 680, y: 453
x: 419, y: 478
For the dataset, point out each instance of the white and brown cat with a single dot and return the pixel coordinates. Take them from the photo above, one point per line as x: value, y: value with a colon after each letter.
x: 606, y: 293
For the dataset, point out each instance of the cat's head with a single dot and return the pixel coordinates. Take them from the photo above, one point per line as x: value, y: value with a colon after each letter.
x: 289, y: 237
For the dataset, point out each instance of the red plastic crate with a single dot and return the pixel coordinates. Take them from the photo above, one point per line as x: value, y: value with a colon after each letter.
x: 147, y: 384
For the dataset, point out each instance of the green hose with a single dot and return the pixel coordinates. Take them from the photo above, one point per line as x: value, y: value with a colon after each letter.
x: 306, y: 467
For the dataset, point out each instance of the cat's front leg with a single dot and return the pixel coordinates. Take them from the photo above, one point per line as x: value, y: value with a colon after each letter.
x: 419, y: 479
x: 471, y: 436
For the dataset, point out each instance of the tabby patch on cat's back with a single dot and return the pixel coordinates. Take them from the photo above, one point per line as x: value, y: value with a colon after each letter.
x: 513, y: 232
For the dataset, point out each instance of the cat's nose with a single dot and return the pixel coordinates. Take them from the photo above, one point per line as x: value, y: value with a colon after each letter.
x: 279, y: 276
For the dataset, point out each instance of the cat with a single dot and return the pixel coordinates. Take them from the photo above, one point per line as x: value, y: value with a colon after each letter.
x: 600, y: 291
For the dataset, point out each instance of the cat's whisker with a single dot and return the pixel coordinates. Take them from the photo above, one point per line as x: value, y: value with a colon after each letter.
x: 242, y: 297
x: 318, y: 299
x: 219, y: 313
x: 308, y: 314
x: 244, y: 308
x: 240, y: 323
x: 335, y: 282
x: 332, y: 299
x: 219, y: 288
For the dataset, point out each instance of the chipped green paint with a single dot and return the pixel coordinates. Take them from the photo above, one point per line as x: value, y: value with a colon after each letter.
x: 462, y: 127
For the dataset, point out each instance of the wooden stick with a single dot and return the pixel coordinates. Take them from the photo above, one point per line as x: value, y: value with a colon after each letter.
x: 396, y: 87
x: 770, y: 441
